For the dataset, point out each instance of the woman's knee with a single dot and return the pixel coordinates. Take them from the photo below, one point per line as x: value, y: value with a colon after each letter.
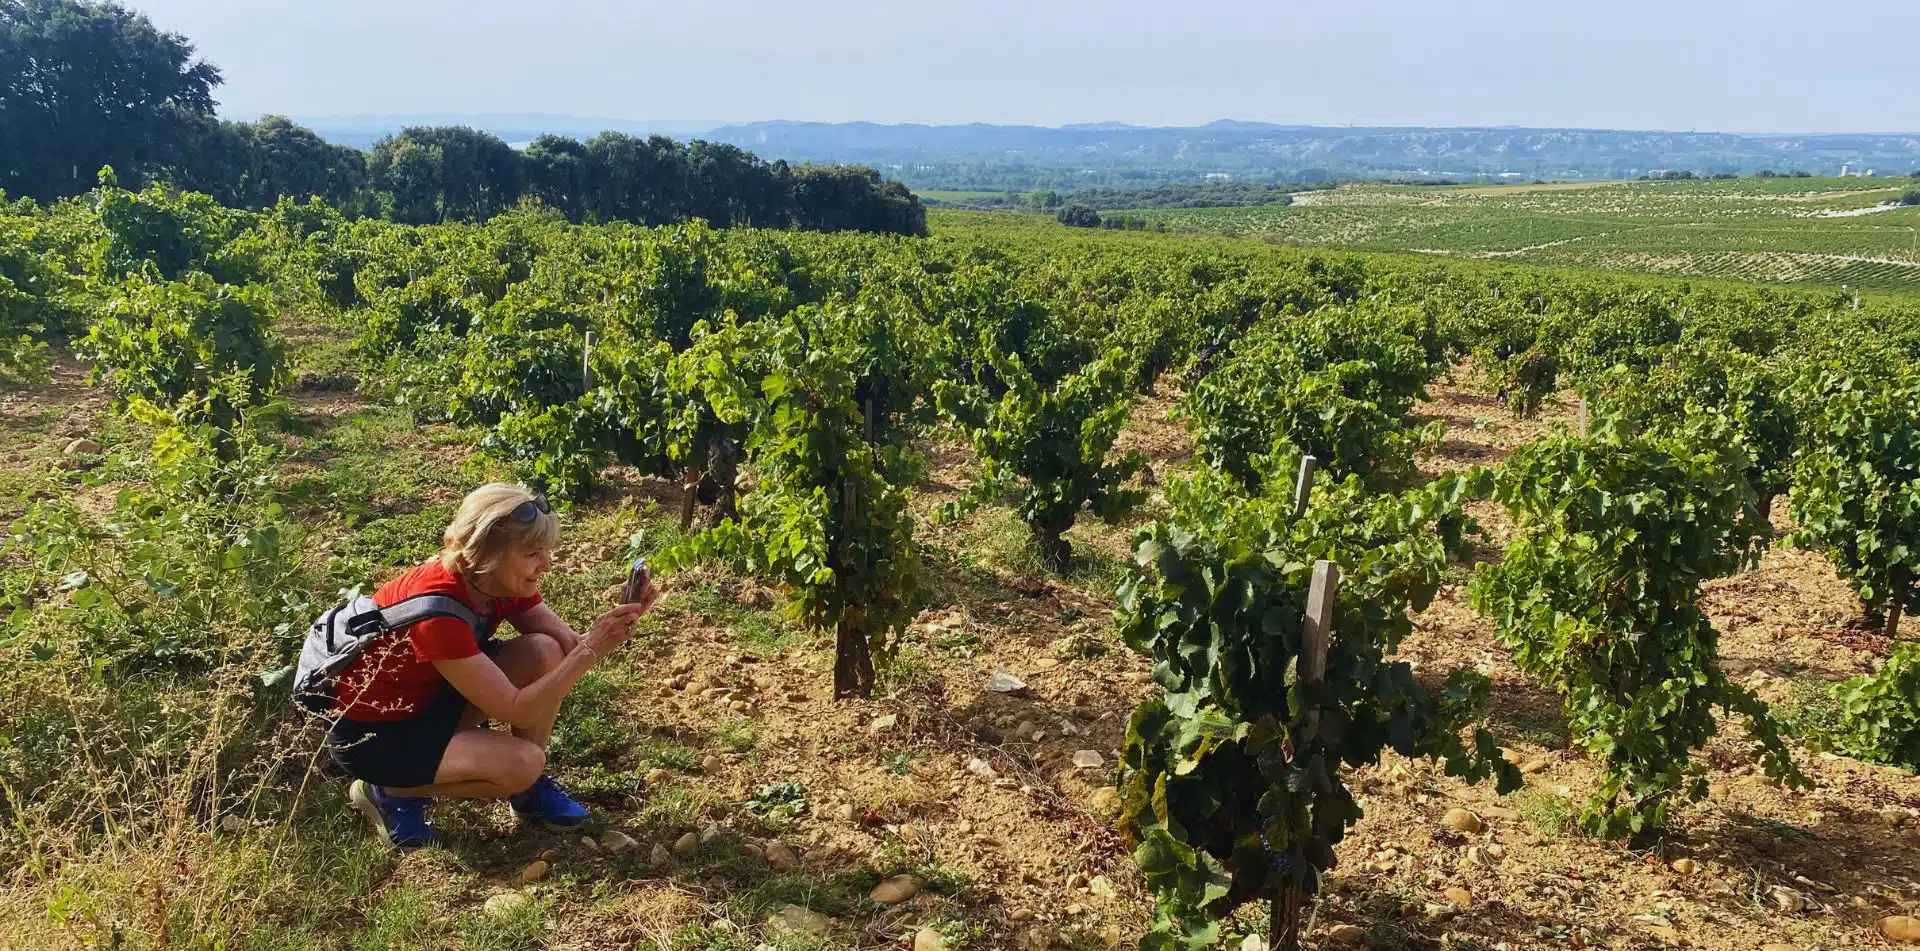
x: 528, y: 657
x: 524, y: 765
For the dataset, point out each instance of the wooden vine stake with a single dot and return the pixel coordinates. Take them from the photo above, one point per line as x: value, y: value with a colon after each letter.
x: 1583, y: 417
x: 1303, y: 487
x: 689, y: 495
x: 586, y: 361
x: 1317, y: 633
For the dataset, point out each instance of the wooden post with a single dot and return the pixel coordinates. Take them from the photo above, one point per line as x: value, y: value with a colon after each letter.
x: 586, y: 361
x: 1583, y: 416
x: 869, y: 415
x: 689, y: 495
x: 1303, y: 487
x: 1290, y: 901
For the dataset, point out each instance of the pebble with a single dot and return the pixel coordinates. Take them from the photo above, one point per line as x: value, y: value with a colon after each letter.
x: 659, y: 855
x: 981, y: 768
x: 1003, y: 682
x: 1459, y: 897
x: 1685, y: 866
x: 1534, y: 767
x: 685, y: 846
x: 795, y: 921
x: 1788, y: 900
x: 782, y: 857
x: 1902, y: 929
x: 534, y: 872
x: 1463, y: 820
x: 708, y: 834
x: 927, y: 939
x: 506, y: 903
x: 232, y: 824
x: 1021, y: 914
x: 883, y: 723
x: 1102, y: 886
x: 550, y: 856
x: 1346, y: 934
x: 83, y: 447
x: 1088, y: 759
x: 895, y: 890
x: 586, y: 842
x: 845, y: 812
x: 656, y: 776
x: 1025, y: 730
x: 617, y: 841
x: 1253, y: 942
x: 712, y: 764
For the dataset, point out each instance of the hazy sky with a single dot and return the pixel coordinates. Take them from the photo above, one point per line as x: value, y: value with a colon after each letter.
x: 1724, y: 65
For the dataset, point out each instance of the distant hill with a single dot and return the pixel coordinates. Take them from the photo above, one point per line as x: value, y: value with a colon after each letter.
x: 984, y: 156
x: 987, y: 157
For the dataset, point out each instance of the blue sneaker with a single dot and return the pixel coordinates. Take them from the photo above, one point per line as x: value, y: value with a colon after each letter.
x: 402, y: 820
x: 544, y: 802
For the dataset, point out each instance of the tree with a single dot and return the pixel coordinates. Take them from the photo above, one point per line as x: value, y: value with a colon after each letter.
x: 1079, y: 216
x: 474, y: 175
x: 1912, y: 197
x: 87, y: 85
x: 556, y: 173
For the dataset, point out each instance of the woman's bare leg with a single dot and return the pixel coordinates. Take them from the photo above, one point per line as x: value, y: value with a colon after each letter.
x: 524, y: 659
x: 482, y: 764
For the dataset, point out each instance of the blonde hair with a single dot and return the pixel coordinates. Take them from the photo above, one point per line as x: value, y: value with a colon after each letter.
x: 484, y: 530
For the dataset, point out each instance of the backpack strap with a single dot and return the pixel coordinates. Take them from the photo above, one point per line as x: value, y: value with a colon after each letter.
x: 422, y: 607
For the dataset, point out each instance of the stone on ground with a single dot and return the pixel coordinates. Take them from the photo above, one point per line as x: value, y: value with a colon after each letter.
x: 795, y: 921
x: 535, y: 871
x: 895, y: 890
x: 782, y: 857
x: 1463, y: 820
x: 1088, y: 759
x: 685, y: 846
x: 617, y: 841
x: 659, y: 855
x: 1459, y: 897
x: 506, y: 903
x: 1346, y: 934
x: 927, y: 939
x: 83, y: 447
x: 1901, y: 929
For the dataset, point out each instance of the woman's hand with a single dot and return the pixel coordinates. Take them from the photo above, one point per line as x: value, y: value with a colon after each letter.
x: 614, y: 628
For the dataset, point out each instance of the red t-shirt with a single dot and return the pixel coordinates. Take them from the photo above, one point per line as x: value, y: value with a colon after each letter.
x: 395, y: 678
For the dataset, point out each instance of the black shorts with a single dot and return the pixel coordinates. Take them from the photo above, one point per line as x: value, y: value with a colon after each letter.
x: 399, y: 753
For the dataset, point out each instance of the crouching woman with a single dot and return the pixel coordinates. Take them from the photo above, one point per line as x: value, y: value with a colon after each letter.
x: 413, y: 707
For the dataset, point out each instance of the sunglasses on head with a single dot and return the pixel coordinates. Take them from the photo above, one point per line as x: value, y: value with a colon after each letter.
x: 531, y: 509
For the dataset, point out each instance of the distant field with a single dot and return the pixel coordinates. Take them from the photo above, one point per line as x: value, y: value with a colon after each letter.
x: 939, y: 195
x: 1809, y: 231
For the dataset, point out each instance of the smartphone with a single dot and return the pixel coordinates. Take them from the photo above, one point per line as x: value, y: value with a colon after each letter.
x: 636, y: 582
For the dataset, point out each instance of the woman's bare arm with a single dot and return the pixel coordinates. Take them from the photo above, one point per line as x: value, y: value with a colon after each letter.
x: 541, y: 619
x: 486, y: 686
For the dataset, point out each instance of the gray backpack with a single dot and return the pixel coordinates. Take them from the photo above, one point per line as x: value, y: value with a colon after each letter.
x: 343, y: 633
